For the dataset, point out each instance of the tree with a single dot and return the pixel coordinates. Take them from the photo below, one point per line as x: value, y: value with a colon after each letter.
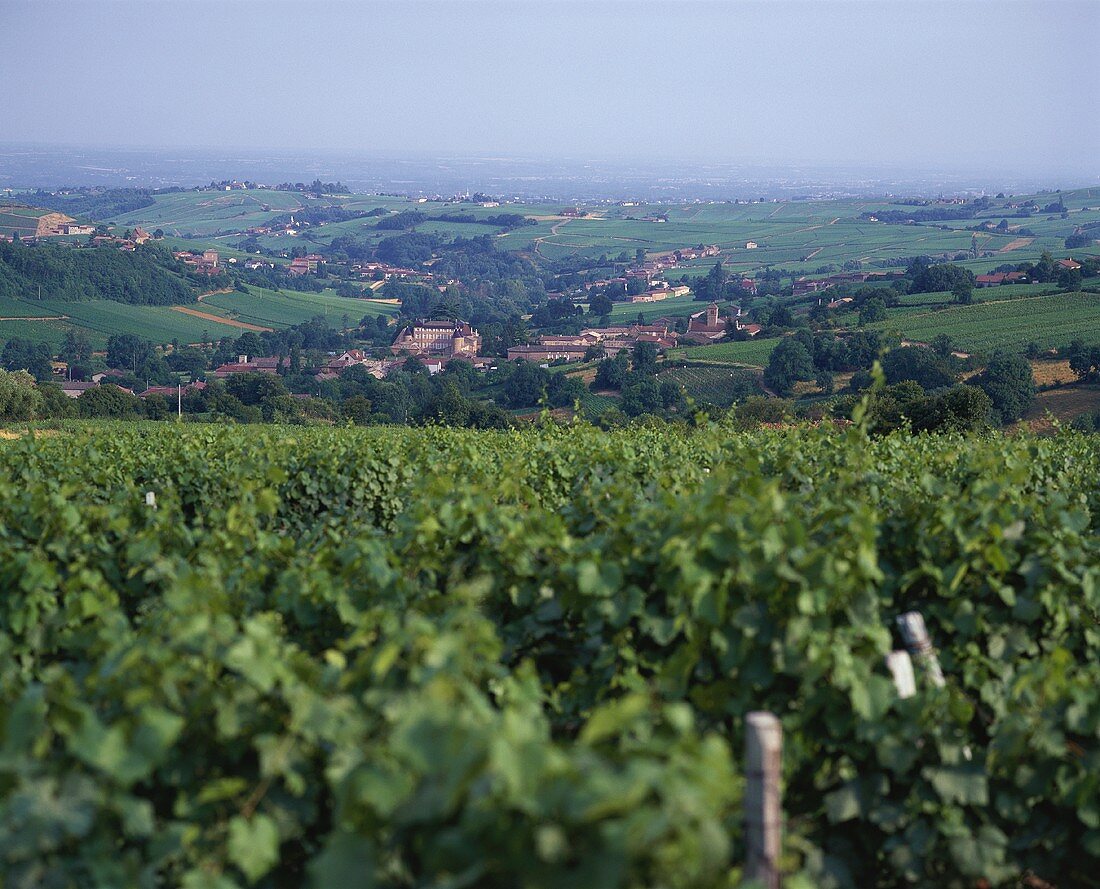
x: 672, y: 394
x: 157, y: 407
x: 1084, y: 360
x: 1069, y: 279
x: 450, y: 406
x: 1008, y: 381
x: 600, y: 304
x: 781, y: 317
x: 1044, y: 270
x: 789, y: 363
x: 610, y: 373
x: 23, y: 354
x: 963, y: 291
x: 358, y: 410
x: 563, y: 391
x: 55, y: 403
x: 641, y: 396
x: 188, y: 360
x: 644, y: 358
x: 109, y: 402
x: 958, y: 409
x: 250, y: 344
x: 755, y: 411
x: 872, y: 310
x: 942, y: 345
x: 128, y: 352
x: 918, y: 364
x: 524, y: 387
x: 937, y: 278
x: 255, y: 389
x: 824, y: 380
x: 19, y: 397
x: 76, y: 348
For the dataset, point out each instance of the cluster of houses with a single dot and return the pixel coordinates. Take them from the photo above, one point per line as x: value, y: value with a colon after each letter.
x: 284, y: 228
x: 656, y: 288
x: 58, y: 224
x: 76, y: 388
x: 385, y: 272
x: 814, y: 285
x: 72, y: 227
x: 658, y: 293
x: 303, y: 265
x: 995, y: 279
x: 703, y: 327
x: 206, y: 262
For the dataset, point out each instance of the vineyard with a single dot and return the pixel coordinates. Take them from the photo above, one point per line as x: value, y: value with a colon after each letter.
x: 714, y: 386
x: 1051, y: 321
x: 400, y: 657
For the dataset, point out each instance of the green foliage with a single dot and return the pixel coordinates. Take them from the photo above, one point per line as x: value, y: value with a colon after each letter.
x: 146, y: 276
x: 108, y: 402
x: 789, y: 363
x: 25, y: 355
x: 611, y: 373
x: 922, y: 366
x: 19, y: 397
x: 872, y: 310
x: 429, y: 657
x: 1009, y: 382
x: 936, y: 278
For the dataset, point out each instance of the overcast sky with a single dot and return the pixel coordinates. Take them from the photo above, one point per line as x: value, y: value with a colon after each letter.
x: 965, y: 85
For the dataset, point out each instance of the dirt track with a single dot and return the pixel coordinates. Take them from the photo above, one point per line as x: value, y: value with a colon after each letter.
x: 218, y: 319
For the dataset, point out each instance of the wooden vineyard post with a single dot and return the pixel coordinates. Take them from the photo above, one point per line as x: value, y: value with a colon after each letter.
x: 763, y: 756
x: 915, y: 634
x: 900, y: 666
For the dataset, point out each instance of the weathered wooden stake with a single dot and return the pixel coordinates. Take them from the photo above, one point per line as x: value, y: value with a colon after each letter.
x: 763, y: 756
x: 915, y: 634
x: 901, y: 668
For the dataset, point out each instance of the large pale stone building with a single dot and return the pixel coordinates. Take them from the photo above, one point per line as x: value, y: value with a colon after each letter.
x: 443, y: 338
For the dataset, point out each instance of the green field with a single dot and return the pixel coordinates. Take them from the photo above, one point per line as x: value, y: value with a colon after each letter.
x: 205, y: 213
x: 1051, y: 320
x: 673, y: 307
x: 22, y: 221
x: 283, y: 308
x: 163, y: 324
x: 101, y: 318
x: 754, y: 352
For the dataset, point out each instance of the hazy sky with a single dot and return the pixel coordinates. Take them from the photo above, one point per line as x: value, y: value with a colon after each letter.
x: 965, y: 85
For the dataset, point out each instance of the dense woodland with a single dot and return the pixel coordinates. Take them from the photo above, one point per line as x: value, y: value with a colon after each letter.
x: 146, y: 276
